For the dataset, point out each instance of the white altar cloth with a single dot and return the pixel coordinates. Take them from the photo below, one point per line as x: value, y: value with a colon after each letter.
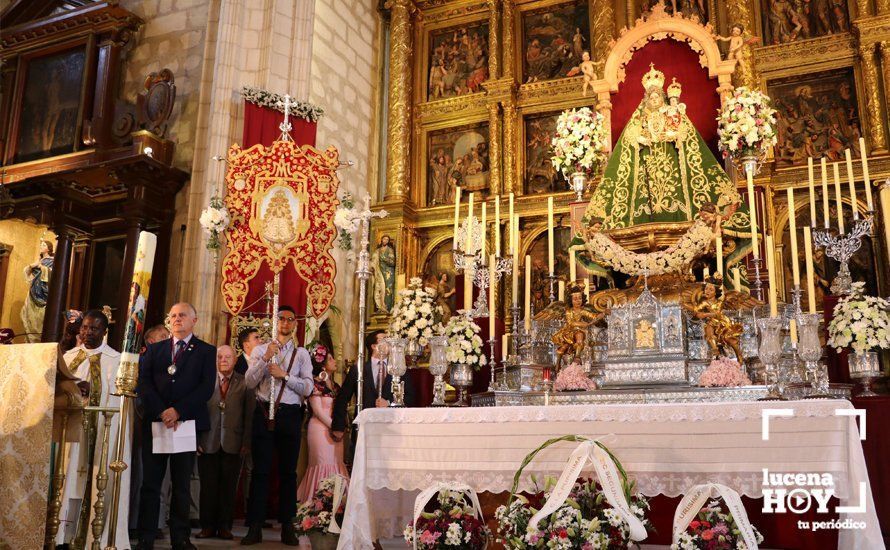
x: 666, y: 448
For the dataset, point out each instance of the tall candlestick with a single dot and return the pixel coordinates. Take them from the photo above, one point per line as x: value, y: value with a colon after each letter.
x: 514, y: 228
x: 550, y: 251
x: 812, y: 192
x: 507, y: 338
x: 528, y: 294
x: 852, y: 182
x: 573, y: 269
x: 808, y: 256
x: 737, y: 279
x: 562, y: 290
x: 470, y: 211
x: 792, y: 228
x: 512, y: 232
x: 771, y: 267
x: 456, y: 215
x: 752, y: 206
x: 825, y: 194
x: 865, y: 176
x: 484, y: 234
x: 497, y: 226
x: 492, y: 291
x: 718, y: 250
x: 838, y: 195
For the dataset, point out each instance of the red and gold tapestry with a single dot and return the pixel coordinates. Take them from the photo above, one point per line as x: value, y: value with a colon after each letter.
x: 281, y: 200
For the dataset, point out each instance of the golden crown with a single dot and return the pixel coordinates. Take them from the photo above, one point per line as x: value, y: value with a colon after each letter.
x: 653, y: 79
x: 675, y: 88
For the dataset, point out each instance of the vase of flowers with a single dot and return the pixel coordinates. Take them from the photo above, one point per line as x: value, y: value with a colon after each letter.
x: 746, y: 127
x: 713, y: 529
x: 214, y: 220
x: 313, y: 518
x: 454, y: 524
x: 464, y: 352
x: 579, y: 145
x: 862, y: 323
x: 416, y: 315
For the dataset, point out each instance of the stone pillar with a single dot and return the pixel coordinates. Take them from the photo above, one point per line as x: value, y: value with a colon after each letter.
x: 399, y: 139
x: 58, y: 284
x: 510, y: 119
x: 603, y: 30
x: 739, y: 12
x: 507, y: 22
x: 494, y: 37
x: 873, y: 106
x: 494, y: 149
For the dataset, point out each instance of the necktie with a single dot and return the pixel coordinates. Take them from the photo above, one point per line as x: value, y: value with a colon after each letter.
x: 95, y: 380
x: 223, y: 388
x: 179, y: 347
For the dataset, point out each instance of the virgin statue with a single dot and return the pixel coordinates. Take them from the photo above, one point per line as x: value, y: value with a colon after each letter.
x: 37, y: 276
x: 383, y: 261
x: 661, y: 172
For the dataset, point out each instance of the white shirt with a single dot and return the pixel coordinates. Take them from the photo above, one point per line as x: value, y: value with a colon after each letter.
x: 299, y: 383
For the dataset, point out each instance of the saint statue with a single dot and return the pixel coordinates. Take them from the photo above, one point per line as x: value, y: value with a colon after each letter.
x: 383, y: 262
x: 278, y: 221
x: 662, y: 171
x: 443, y: 295
x: 37, y: 276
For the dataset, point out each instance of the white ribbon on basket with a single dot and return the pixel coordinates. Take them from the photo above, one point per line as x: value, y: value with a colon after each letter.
x: 339, y: 491
x: 607, y: 475
x: 698, y: 496
x: 427, y: 494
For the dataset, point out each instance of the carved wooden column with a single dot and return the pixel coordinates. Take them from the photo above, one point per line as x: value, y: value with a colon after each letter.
x: 873, y: 107
x: 398, y: 169
x: 630, y: 12
x: 603, y: 30
x: 884, y: 51
x: 99, y: 129
x: 883, y: 7
x: 58, y: 284
x: 494, y: 38
x: 507, y: 13
x: 510, y: 118
x: 862, y: 8
x: 739, y: 12
x: 494, y: 149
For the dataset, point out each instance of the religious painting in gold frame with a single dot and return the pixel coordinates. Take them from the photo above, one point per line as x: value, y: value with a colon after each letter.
x: 818, y: 115
x: 456, y: 156
x: 539, y: 175
x: 438, y: 272
x: 553, y: 38
x: 457, y: 60
x: 537, y: 249
x: 787, y: 21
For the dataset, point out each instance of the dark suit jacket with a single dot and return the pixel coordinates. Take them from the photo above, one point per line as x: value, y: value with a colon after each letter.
x: 230, y: 431
x: 369, y: 394
x: 187, y: 391
x: 241, y: 364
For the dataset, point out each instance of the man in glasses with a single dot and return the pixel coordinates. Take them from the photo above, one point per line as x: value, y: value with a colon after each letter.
x: 290, y: 366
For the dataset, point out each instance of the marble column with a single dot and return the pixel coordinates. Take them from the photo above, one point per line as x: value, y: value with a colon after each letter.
x: 399, y: 140
x: 494, y: 37
x: 507, y: 14
x: 56, y: 302
x: 494, y: 149
x: 873, y: 106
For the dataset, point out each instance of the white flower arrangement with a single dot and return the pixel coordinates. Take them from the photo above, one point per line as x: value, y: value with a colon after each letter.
x: 346, y: 221
x: 416, y: 315
x: 746, y: 125
x: 674, y: 258
x: 580, y: 141
x: 861, y: 322
x: 214, y: 219
x: 464, y: 342
x: 270, y: 100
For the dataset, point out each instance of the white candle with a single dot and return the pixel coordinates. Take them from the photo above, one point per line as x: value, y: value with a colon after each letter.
x: 792, y: 229
x: 550, y: 250
x: 562, y: 290
x: 512, y: 233
x: 504, y: 345
x: 573, y: 269
x: 771, y: 268
x: 587, y: 289
x: 484, y: 234
x: 719, y: 252
x: 514, y: 228
x: 492, y: 291
x: 808, y: 256
x: 497, y: 226
x: 838, y: 195
x: 865, y: 176
x: 852, y: 183
x: 456, y: 215
x: 706, y: 272
x: 752, y: 207
x: 468, y: 288
x: 812, y: 192
x: 737, y: 279
x: 825, y: 194
x: 528, y: 293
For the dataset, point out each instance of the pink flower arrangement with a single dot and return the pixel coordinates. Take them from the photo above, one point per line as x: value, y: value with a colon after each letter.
x: 573, y: 378
x: 723, y: 372
x: 316, y: 514
x: 714, y: 529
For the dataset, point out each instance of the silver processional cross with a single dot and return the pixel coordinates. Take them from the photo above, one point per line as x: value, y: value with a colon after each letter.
x: 285, y: 126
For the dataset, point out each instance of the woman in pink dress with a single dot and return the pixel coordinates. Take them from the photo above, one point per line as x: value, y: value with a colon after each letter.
x: 325, y: 454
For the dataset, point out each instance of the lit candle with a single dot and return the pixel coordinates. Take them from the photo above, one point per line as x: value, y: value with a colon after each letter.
x: 497, y: 225
x: 719, y: 252
x: 562, y: 290
x: 771, y: 268
x: 528, y: 294
x: 837, y: 194
x: 512, y: 233
x: 752, y: 206
x: 792, y: 229
x: 706, y: 272
x: 492, y: 291
x: 825, y: 194
x: 812, y: 192
x: 456, y: 214
x: 507, y: 338
x: 737, y: 279
x: 808, y: 256
x: 865, y: 176
x: 587, y: 289
x: 514, y: 229
x: 484, y: 234
x: 550, y: 251
x: 468, y: 249
x: 573, y: 269
x: 852, y: 183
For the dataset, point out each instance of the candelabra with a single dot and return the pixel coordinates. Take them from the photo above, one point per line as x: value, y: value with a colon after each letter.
x: 841, y: 247
x: 492, y: 362
x: 792, y: 312
x: 757, y: 285
x: 474, y: 260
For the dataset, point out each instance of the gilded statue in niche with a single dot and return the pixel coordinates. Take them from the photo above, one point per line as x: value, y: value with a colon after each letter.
x: 458, y: 60
x: 790, y: 20
x: 554, y: 40
x: 457, y: 157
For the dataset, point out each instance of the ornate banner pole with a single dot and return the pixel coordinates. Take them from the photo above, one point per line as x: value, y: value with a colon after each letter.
x: 128, y: 372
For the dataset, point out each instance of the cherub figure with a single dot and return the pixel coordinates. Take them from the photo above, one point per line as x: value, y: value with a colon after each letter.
x: 578, y: 317
x: 588, y: 68
x: 708, y: 303
x: 738, y: 40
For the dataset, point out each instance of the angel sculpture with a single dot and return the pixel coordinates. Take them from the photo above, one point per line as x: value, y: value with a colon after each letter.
x: 578, y: 317
x: 707, y: 303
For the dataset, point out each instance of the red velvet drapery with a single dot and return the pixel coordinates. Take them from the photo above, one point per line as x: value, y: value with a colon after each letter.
x: 261, y: 126
x: 676, y: 60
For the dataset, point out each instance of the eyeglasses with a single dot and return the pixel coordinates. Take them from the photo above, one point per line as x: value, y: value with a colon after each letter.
x: 286, y: 319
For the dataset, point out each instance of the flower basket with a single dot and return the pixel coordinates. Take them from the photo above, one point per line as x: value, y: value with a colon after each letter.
x: 701, y: 524
x: 416, y: 315
x: 746, y: 126
x: 323, y: 541
x: 323, y: 515
x: 576, y: 513
x: 580, y: 142
x: 860, y: 322
x: 455, y: 523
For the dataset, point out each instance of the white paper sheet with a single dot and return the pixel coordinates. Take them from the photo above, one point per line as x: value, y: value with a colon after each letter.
x: 166, y: 440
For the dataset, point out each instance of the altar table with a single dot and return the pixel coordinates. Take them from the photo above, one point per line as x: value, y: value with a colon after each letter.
x: 665, y: 448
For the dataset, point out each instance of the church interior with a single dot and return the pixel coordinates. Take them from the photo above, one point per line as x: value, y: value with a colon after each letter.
x: 471, y: 273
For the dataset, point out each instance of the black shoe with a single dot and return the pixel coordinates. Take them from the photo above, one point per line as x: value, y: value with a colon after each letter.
x: 254, y: 535
x: 184, y: 545
x: 289, y: 535
x: 145, y: 545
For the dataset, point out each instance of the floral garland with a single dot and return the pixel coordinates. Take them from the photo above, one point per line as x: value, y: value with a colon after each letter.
x: 453, y: 524
x: 861, y: 322
x: 270, y: 100
x: 713, y: 529
x: 580, y: 141
x: 346, y: 221
x: 464, y: 342
x: 723, y: 373
x: 674, y: 258
x: 214, y: 219
x: 416, y: 315
x: 746, y: 125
